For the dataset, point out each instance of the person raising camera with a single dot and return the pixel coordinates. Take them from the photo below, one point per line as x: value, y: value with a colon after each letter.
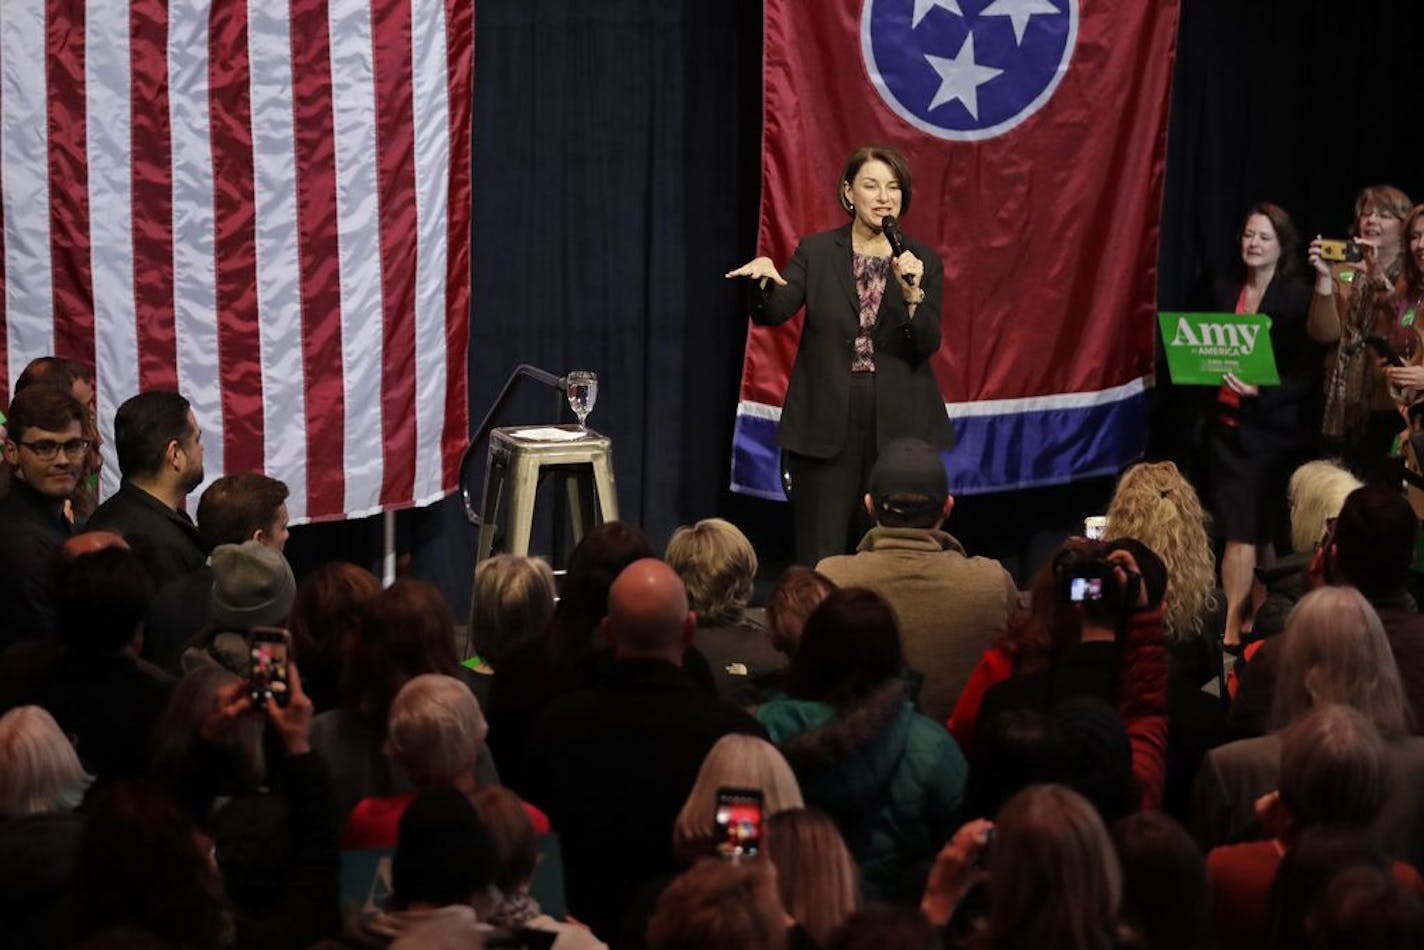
x: 1354, y: 300
x: 1105, y: 641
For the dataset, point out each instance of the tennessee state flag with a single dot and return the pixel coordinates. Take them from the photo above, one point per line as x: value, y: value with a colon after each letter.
x: 1036, y: 132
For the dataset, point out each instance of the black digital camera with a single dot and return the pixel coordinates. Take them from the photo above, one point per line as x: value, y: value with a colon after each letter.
x: 1085, y: 575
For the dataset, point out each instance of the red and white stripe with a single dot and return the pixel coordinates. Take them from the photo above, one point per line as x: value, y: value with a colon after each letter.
x: 262, y: 203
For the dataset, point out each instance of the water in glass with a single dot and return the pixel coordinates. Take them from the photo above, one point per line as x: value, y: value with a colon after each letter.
x: 582, y: 390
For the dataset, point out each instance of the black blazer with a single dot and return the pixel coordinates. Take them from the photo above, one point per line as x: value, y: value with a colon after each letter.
x: 1285, y: 416
x: 907, y: 397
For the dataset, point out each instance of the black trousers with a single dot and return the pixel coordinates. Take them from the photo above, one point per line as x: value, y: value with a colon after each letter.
x: 827, y: 507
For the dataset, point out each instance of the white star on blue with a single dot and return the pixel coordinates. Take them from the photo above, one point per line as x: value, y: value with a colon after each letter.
x: 967, y: 69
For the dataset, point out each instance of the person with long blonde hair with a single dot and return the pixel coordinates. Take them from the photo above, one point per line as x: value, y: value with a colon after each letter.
x: 1155, y: 504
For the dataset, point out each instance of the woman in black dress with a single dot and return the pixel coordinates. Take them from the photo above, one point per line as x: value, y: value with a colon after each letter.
x: 1259, y: 433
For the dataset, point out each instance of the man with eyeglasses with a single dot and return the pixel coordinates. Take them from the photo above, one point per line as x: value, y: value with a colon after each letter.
x: 45, y: 449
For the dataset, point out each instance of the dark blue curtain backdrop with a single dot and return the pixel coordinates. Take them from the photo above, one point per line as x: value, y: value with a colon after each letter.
x: 616, y: 163
x: 616, y: 178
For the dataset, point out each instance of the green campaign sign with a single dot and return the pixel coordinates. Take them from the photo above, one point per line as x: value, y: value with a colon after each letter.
x: 1204, y: 347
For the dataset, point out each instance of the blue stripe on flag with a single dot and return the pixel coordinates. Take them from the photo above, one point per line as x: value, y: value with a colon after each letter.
x: 991, y: 453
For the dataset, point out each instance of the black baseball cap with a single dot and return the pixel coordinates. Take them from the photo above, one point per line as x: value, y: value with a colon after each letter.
x: 908, y: 467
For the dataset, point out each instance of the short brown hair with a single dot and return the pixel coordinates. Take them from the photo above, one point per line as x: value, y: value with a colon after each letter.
x: 794, y: 598
x: 44, y: 406
x: 235, y: 507
x: 406, y: 630
x: 54, y: 370
x: 327, y: 609
x: 1386, y: 198
x: 508, y: 823
x: 715, y: 905
x: 876, y: 153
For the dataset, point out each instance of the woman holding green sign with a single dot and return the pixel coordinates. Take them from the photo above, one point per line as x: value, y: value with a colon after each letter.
x: 1259, y: 433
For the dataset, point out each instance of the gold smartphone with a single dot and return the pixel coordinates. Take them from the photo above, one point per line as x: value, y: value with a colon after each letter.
x: 1340, y: 252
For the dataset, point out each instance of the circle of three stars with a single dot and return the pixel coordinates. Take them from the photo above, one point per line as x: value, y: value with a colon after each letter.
x: 961, y: 75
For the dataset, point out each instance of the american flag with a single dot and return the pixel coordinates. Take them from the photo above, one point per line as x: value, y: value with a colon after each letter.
x: 264, y: 204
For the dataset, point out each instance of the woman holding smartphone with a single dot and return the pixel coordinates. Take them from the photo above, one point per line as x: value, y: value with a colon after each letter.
x: 1352, y: 301
x: 1258, y: 434
x: 862, y: 374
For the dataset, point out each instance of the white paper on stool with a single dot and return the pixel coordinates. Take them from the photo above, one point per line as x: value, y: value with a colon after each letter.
x: 550, y: 434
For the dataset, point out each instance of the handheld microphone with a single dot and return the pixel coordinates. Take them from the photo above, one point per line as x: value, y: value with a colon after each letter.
x: 896, y: 237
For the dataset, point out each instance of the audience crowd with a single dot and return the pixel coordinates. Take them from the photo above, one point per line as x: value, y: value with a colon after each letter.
x: 1152, y: 745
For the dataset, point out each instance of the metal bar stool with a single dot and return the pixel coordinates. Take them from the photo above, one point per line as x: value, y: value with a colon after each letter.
x: 514, y: 467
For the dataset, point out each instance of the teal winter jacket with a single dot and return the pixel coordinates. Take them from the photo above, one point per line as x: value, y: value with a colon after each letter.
x: 891, y: 779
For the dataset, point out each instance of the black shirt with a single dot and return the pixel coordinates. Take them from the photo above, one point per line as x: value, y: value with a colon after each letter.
x: 32, y: 530
x: 611, y: 766
x: 165, y: 540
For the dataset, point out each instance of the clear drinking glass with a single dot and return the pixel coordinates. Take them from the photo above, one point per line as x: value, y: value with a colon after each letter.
x: 582, y: 389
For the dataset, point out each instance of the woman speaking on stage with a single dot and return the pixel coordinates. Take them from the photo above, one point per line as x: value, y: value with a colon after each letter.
x: 862, y: 374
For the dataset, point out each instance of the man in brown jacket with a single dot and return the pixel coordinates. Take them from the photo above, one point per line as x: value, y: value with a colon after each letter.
x: 950, y: 606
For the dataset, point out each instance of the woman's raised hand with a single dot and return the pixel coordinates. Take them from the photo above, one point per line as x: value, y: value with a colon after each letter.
x: 956, y: 868
x: 761, y: 269
x: 1322, y: 267
x: 1324, y: 281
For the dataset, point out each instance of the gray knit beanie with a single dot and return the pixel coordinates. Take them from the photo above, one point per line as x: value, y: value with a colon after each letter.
x: 253, y: 586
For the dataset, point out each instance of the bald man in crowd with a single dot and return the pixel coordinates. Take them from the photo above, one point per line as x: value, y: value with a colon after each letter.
x: 612, y: 764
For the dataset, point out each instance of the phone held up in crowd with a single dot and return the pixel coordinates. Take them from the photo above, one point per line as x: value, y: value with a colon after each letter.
x: 269, y: 654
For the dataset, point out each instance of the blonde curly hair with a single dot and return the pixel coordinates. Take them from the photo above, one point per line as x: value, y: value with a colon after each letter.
x: 1156, y: 505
